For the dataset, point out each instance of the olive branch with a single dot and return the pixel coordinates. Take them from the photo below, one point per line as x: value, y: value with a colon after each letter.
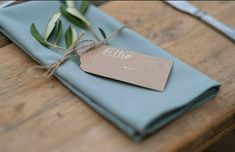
x: 54, y: 28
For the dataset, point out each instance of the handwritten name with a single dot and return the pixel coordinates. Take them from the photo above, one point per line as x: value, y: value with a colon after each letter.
x: 120, y: 54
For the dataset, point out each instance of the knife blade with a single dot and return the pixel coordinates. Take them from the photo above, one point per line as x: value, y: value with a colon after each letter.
x: 188, y: 8
x: 5, y: 3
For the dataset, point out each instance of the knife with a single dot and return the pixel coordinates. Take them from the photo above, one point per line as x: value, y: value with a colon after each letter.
x: 187, y: 7
x: 5, y: 3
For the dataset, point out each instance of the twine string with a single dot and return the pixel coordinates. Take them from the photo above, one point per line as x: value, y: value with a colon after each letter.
x: 51, y: 68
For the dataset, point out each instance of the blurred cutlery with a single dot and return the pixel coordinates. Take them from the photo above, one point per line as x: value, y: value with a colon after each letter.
x: 187, y: 7
x: 5, y: 3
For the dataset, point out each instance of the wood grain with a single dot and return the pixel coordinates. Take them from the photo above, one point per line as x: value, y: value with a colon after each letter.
x: 43, y: 115
x: 4, y: 40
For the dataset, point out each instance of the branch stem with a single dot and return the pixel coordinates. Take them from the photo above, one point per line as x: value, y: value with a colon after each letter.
x: 55, y: 46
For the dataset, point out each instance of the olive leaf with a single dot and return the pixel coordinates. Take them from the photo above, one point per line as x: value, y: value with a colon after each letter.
x: 84, y: 6
x: 75, y: 16
x: 78, y: 15
x: 70, y: 36
x: 70, y: 3
x: 37, y: 35
x: 102, y: 33
x: 52, y: 24
x: 58, y: 32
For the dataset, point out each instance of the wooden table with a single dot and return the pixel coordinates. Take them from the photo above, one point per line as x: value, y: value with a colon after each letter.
x: 43, y: 115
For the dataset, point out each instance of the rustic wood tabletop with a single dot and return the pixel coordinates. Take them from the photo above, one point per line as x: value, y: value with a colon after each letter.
x: 43, y: 115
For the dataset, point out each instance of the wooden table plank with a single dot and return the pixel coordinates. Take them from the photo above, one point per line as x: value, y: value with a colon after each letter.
x: 4, y: 40
x: 42, y: 115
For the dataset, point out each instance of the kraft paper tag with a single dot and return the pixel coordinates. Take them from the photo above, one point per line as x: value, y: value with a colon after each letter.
x: 127, y: 66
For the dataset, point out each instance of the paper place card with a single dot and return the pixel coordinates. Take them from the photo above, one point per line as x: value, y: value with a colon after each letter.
x: 127, y: 66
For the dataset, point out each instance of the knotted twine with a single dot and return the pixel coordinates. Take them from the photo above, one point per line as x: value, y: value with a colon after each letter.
x: 51, y: 68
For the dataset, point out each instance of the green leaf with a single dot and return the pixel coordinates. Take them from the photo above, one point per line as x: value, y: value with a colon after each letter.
x: 58, y: 32
x: 72, y: 18
x: 70, y: 36
x: 37, y: 35
x: 77, y: 14
x: 102, y: 33
x: 84, y: 6
x: 51, y: 24
x: 74, y: 35
x: 70, y: 3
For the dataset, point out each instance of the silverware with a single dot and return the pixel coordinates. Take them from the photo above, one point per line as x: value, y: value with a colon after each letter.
x: 5, y: 3
x: 187, y: 7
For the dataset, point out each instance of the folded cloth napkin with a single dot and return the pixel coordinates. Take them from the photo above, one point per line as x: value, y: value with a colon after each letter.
x: 135, y: 110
